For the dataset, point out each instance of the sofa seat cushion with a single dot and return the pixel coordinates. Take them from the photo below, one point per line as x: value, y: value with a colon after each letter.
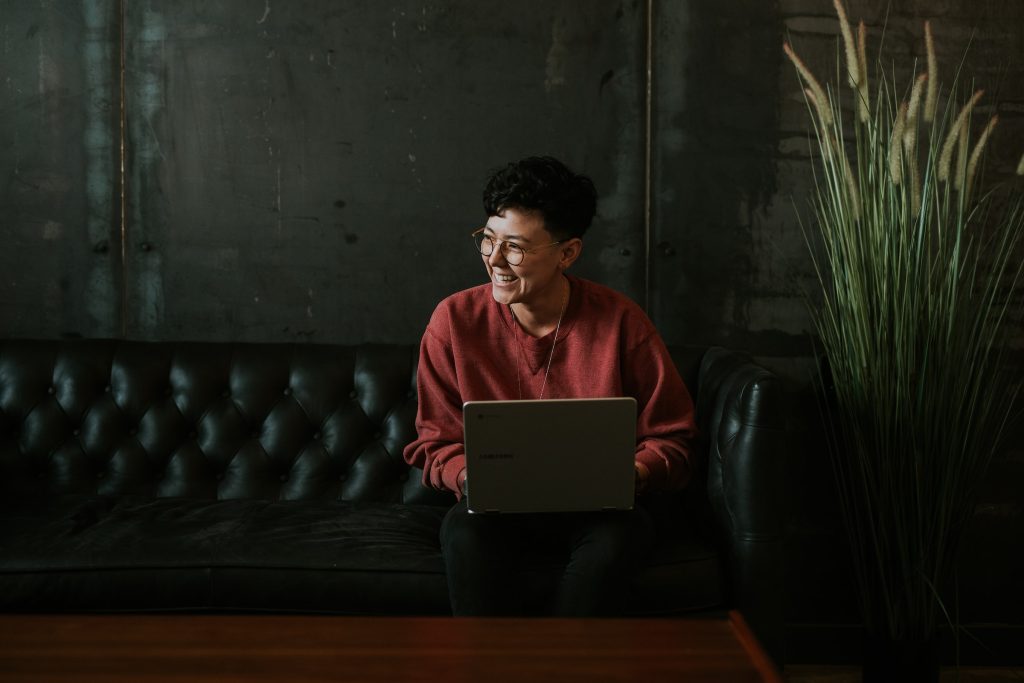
x: 683, y: 574
x: 93, y: 553
x: 238, y: 554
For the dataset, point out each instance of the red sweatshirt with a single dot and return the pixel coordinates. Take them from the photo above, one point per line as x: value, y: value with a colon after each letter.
x: 606, y: 347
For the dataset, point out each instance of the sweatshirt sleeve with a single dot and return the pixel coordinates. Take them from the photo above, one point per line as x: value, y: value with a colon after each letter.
x: 438, y: 448
x: 666, y: 427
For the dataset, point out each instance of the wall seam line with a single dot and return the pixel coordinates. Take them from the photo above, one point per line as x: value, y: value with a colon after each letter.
x: 122, y: 133
x: 648, y: 151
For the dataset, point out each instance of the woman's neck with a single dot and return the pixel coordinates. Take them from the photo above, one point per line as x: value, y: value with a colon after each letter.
x: 542, y: 319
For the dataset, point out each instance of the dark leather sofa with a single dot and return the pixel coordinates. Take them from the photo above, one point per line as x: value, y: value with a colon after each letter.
x: 223, y: 477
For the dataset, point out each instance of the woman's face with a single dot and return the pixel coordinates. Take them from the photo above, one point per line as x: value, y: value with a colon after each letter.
x: 538, y: 276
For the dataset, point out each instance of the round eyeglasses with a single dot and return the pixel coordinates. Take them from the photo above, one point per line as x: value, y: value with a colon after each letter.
x: 512, y: 252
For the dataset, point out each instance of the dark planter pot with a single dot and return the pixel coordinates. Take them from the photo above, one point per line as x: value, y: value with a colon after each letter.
x: 910, y: 661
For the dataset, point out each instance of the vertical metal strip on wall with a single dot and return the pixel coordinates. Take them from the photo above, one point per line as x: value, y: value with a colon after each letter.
x: 648, y: 150
x: 122, y: 168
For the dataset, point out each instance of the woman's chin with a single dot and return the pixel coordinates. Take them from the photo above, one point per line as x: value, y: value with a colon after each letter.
x: 504, y: 294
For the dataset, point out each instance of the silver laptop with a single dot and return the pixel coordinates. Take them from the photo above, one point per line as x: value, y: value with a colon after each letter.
x: 556, y: 455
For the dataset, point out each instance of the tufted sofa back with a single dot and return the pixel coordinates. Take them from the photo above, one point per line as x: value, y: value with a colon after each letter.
x: 209, y: 420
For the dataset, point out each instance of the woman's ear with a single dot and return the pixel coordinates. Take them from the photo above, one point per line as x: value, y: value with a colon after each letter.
x: 570, y: 251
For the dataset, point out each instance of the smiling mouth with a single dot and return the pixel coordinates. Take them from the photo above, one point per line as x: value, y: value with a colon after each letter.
x: 504, y: 278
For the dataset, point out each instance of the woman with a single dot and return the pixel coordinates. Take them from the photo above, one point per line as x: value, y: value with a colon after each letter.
x: 534, y: 332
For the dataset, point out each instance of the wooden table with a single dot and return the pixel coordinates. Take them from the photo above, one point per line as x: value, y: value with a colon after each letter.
x: 201, y: 648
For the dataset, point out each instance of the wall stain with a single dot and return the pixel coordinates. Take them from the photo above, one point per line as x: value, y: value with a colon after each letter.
x: 266, y: 13
x: 554, y: 71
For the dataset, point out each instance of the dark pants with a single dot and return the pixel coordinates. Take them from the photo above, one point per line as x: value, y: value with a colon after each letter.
x: 485, y: 556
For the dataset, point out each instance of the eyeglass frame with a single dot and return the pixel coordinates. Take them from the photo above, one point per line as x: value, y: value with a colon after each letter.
x: 506, y: 245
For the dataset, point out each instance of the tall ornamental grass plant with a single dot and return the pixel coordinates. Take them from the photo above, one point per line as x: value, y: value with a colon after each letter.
x: 918, y: 263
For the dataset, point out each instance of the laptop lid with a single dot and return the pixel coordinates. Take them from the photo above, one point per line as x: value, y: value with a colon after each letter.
x: 555, y: 455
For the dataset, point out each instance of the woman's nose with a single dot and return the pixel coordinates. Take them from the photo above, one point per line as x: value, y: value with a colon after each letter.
x: 497, y: 256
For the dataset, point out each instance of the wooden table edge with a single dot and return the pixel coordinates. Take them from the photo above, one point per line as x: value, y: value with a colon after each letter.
x: 760, y: 659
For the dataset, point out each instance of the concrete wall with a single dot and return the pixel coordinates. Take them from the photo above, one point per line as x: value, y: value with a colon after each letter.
x: 297, y: 171
x: 310, y: 170
x: 59, y: 196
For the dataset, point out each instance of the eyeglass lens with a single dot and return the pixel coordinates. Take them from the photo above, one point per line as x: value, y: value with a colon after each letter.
x: 513, y: 253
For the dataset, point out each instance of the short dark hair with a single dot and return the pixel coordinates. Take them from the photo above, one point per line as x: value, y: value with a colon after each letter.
x: 566, y: 200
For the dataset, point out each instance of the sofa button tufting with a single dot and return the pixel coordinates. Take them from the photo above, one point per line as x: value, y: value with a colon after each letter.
x: 51, y: 391
x: 107, y: 389
x: 283, y: 478
x: 288, y: 391
x: 353, y: 394
x: 316, y: 436
x: 76, y: 432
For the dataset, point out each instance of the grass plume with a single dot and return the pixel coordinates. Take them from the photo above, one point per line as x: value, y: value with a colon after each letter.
x: 979, y: 147
x: 933, y: 74
x: 820, y: 99
x: 863, y: 92
x: 955, y: 137
x: 896, y: 145
x: 850, y: 46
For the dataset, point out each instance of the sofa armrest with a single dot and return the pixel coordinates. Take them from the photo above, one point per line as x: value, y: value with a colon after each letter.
x: 741, y: 411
